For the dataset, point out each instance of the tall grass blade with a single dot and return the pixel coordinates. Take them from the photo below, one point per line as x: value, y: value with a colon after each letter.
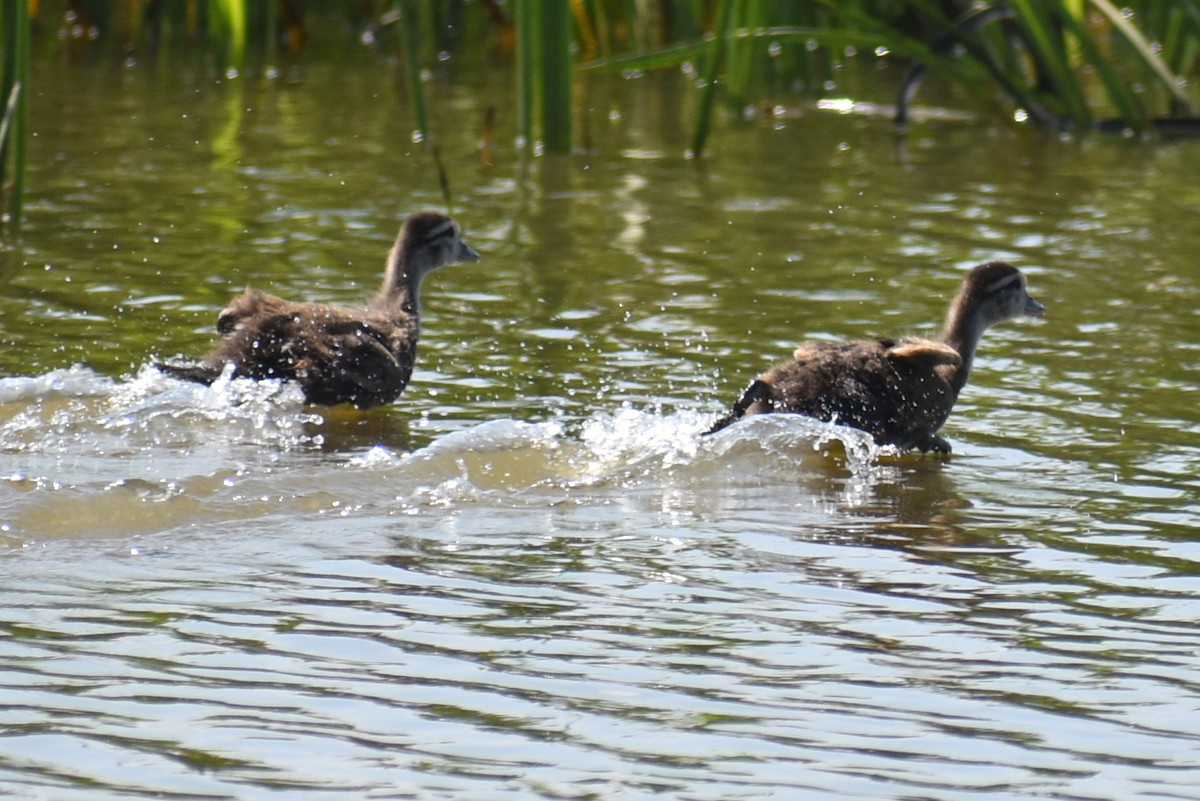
x: 10, y: 109
x: 662, y: 58
x: 1191, y: 9
x: 408, y: 21
x: 270, y: 23
x: 528, y: 39
x: 1118, y: 91
x: 10, y: 112
x: 1145, y: 50
x: 229, y: 17
x: 14, y: 87
x: 1051, y: 57
x: 544, y: 72
x: 740, y: 50
x: 712, y: 67
x: 556, y: 74
x: 412, y: 67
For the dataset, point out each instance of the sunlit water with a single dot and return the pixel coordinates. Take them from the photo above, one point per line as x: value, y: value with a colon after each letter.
x: 531, y: 577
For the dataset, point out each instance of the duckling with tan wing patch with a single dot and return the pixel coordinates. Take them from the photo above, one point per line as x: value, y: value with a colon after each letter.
x: 899, y: 391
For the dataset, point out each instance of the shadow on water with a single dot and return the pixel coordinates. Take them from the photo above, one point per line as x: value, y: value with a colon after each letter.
x: 345, y: 429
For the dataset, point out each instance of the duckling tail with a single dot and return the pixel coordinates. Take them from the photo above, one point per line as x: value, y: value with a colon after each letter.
x: 758, y: 392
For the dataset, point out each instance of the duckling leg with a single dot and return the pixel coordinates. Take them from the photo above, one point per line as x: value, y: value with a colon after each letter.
x: 759, y: 392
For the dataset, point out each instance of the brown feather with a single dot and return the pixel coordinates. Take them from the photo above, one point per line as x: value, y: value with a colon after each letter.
x: 336, y: 355
x: 899, y: 391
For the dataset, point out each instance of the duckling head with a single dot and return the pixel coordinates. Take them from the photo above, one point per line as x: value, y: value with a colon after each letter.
x: 427, y: 240
x: 430, y: 240
x: 991, y: 293
x: 996, y: 291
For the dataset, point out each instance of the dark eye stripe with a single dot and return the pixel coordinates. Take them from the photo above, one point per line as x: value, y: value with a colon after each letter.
x: 1001, y: 284
x: 444, y: 230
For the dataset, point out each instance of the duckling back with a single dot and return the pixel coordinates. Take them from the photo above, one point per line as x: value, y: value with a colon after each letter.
x: 364, y: 357
x: 334, y: 355
x: 900, y: 391
x: 892, y: 390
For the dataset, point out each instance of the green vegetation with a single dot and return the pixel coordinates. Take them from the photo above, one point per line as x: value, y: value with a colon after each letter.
x: 1057, y: 64
x: 15, y: 81
x: 545, y: 66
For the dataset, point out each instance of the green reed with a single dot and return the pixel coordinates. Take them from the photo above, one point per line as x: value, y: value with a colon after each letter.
x: 712, y: 67
x: 228, y: 21
x: 409, y: 34
x: 14, y: 88
x: 544, y: 72
x: 1061, y: 64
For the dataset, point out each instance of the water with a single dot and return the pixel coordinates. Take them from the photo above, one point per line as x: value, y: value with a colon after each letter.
x: 530, y: 578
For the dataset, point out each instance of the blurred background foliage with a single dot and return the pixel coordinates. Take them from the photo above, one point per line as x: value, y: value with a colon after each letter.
x: 1056, y: 64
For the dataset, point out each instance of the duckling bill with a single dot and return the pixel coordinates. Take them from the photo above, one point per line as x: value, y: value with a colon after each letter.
x: 900, y: 391
x: 364, y: 356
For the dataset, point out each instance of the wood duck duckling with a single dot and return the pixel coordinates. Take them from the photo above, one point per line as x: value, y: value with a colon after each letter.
x: 360, y: 356
x: 898, y: 390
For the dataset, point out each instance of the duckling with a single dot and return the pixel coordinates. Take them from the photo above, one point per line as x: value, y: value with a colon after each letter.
x: 360, y: 356
x: 899, y: 391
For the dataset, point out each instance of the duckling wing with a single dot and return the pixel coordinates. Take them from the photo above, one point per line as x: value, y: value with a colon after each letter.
x: 248, y: 305
x: 335, y: 355
x: 922, y: 353
x: 845, y: 381
x: 894, y: 390
x: 241, y: 310
x: 359, y: 362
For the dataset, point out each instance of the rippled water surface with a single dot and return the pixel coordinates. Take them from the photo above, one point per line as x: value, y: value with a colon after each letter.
x: 530, y: 578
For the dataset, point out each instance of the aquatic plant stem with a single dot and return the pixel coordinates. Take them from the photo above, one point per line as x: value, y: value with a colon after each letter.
x: 712, y: 66
x: 230, y: 16
x: 1144, y: 49
x: 528, y: 36
x: 412, y: 67
x: 15, y: 84
x: 556, y: 74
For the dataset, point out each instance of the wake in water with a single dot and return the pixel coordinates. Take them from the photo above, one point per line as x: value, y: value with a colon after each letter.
x: 635, y: 448
x: 77, y: 437
x: 77, y: 405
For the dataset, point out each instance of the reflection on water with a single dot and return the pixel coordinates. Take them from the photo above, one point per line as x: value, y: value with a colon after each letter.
x: 531, y: 577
